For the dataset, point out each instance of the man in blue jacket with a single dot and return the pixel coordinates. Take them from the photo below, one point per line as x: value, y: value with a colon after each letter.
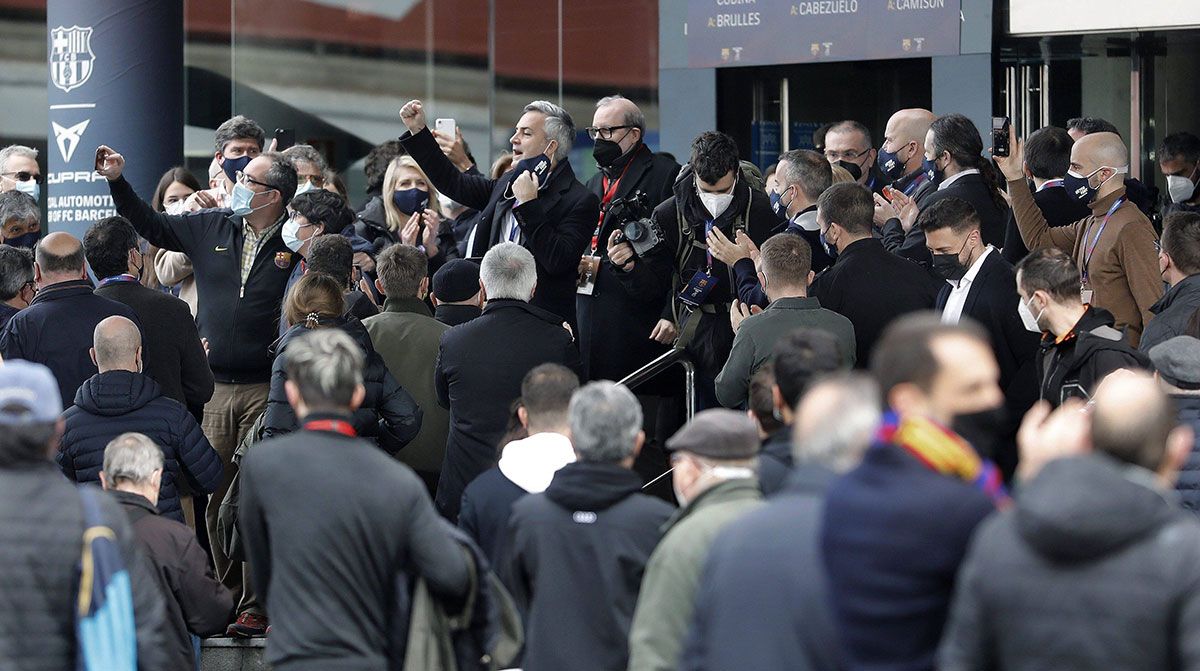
x: 241, y: 265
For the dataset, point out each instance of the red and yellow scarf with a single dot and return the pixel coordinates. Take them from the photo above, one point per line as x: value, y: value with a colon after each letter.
x: 943, y: 451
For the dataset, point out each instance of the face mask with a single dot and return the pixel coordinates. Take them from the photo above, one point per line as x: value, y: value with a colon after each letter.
x: 934, y: 173
x: 890, y: 164
x: 540, y: 167
x: 29, y: 188
x: 780, y: 207
x: 1080, y: 186
x: 175, y: 208
x: 1028, y: 318
x: 28, y: 241
x: 1180, y: 188
x: 854, y: 169
x: 291, y: 235
x: 232, y: 166
x: 828, y: 246
x: 410, y: 201
x: 304, y: 187
x: 240, y: 201
x: 716, y: 203
x: 774, y: 197
x: 948, y: 266
x: 606, y: 152
x: 980, y: 428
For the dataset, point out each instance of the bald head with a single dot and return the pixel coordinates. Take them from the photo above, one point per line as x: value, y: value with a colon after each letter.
x: 909, y: 125
x: 1099, y: 150
x: 59, y: 258
x: 1132, y: 419
x: 117, y: 345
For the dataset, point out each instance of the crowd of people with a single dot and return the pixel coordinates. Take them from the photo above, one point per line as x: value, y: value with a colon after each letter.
x: 946, y: 405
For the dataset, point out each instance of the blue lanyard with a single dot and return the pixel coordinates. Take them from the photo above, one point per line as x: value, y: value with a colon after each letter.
x: 124, y: 278
x: 1088, y: 250
x: 708, y: 226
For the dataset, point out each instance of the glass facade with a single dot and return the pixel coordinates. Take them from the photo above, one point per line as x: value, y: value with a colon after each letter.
x: 338, y: 71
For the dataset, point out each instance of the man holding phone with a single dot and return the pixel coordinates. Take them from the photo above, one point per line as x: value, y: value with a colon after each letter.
x: 539, y: 204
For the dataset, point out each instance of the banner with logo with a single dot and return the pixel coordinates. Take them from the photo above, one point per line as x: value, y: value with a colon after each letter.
x: 730, y: 33
x: 115, y: 78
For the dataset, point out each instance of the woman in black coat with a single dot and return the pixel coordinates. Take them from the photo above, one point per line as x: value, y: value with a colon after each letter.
x: 388, y: 413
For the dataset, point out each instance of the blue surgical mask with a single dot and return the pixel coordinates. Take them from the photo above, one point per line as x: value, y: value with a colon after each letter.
x: 29, y: 188
x: 935, y: 174
x: 241, y: 198
x: 28, y: 241
x: 232, y: 166
x: 410, y: 201
x: 291, y: 235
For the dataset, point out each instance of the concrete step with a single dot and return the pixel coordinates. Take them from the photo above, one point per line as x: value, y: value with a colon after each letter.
x: 233, y: 654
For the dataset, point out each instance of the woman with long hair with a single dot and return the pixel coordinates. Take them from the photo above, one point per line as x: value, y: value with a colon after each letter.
x: 388, y: 413
x: 167, y: 269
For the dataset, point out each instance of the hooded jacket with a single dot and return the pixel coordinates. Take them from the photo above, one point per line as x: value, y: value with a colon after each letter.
x: 1095, y: 568
x: 121, y: 401
x: 775, y: 461
x: 387, y: 413
x: 1172, y: 313
x: 574, y: 562
x: 1073, y: 367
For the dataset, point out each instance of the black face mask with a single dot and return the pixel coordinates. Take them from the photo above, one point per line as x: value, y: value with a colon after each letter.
x: 854, y: 169
x: 981, y: 429
x: 948, y: 267
x: 606, y: 152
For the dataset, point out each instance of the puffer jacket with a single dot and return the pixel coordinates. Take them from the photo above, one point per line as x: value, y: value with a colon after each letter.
x: 1188, y: 484
x: 120, y: 401
x: 388, y: 412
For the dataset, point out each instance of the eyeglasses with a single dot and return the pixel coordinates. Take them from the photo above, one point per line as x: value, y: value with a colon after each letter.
x: 848, y: 155
x: 23, y: 176
x: 604, y: 133
x: 244, y: 178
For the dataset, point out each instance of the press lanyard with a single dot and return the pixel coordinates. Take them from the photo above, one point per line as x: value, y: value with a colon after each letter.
x: 708, y: 226
x: 608, y: 193
x: 1090, y: 249
x: 332, y: 425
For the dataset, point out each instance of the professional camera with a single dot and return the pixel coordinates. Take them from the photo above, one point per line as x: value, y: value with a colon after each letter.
x: 632, y: 217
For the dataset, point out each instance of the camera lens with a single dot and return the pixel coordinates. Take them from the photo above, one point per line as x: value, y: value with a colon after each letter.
x: 635, y: 231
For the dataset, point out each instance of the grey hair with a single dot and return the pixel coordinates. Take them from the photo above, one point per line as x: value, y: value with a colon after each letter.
x: 16, y: 150
x: 131, y: 457
x: 558, y: 126
x: 605, y: 420
x: 18, y: 206
x: 633, y: 117
x: 508, y: 271
x: 306, y: 153
x: 838, y: 439
x: 327, y: 366
x: 16, y: 270
x: 239, y: 128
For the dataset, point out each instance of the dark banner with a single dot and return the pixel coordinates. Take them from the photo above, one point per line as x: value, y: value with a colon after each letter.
x: 115, y: 78
x: 730, y: 33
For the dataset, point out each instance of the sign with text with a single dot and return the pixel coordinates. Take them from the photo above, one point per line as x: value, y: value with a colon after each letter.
x: 1039, y: 17
x: 109, y: 84
x: 730, y: 33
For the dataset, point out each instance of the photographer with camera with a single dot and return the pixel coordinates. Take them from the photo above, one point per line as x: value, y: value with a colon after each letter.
x: 617, y: 312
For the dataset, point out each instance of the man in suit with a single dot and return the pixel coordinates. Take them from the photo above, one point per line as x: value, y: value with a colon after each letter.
x: 1047, y: 159
x: 174, y: 356
x: 616, y: 317
x: 481, y: 364
x: 867, y: 284
x: 903, y: 151
x: 981, y: 285
x: 954, y: 161
x: 552, y: 216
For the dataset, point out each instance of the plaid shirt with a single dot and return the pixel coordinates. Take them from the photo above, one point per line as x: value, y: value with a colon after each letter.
x: 252, y: 241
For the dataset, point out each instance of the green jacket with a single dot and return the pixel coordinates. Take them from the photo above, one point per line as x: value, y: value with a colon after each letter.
x: 407, y: 336
x: 755, y: 341
x: 664, y: 609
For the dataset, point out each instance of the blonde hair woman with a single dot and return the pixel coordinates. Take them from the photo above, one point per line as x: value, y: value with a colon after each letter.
x: 405, y: 189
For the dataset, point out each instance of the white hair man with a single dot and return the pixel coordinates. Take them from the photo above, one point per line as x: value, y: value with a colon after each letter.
x: 19, y: 170
x: 197, y: 603
x: 481, y: 365
x: 539, y: 204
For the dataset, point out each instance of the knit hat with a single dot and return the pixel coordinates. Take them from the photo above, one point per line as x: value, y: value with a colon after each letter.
x: 456, y: 281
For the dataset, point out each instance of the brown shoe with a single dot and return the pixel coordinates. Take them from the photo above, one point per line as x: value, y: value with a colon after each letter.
x: 248, y: 625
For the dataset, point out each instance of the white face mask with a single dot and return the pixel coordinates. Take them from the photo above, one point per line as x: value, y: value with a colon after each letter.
x: 305, y: 187
x: 291, y: 235
x: 716, y: 203
x: 28, y: 187
x: 1180, y: 188
x: 1027, y: 317
x: 175, y: 208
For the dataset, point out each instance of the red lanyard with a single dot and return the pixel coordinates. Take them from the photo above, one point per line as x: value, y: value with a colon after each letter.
x: 605, y: 200
x: 332, y: 425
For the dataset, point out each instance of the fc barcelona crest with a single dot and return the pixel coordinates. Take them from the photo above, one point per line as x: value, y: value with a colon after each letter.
x: 283, y: 260
x: 71, y: 57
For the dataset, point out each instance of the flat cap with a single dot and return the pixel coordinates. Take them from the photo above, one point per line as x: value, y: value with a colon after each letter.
x: 1178, y: 361
x: 456, y: 281
x: 720, y: 434
x: 28, y: 394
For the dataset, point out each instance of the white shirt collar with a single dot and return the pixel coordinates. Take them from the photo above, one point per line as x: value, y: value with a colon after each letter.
x: 950, y: 180
x: 973, y: 272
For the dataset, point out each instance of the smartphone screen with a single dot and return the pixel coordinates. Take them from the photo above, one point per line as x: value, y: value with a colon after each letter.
x: 1000, y: 126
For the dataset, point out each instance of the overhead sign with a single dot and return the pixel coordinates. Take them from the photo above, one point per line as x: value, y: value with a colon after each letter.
x: 102, y: 91
x: 1041, y: 17
x: 730, y: 33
